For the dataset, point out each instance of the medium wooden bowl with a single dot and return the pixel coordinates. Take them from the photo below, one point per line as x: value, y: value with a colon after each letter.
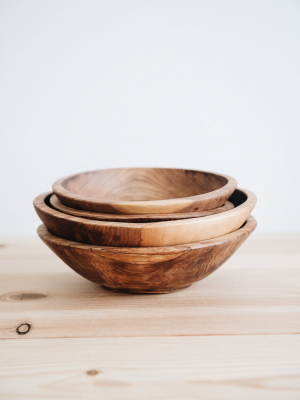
x: 148, y: 269
x: 144, y: 190
x: 55, y: 203
x: 126, y: 234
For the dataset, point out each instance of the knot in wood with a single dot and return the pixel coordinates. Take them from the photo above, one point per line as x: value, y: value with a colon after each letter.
x: 23, y: 329
x: 92, y: 372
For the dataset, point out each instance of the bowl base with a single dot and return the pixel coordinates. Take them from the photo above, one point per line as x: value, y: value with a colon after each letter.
x: 144, y: 291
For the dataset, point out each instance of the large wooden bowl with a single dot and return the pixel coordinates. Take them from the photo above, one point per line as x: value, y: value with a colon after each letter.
x: 144, y: 190
x: 56, y: 204
x: 128, y: 234
x: 148, y: 269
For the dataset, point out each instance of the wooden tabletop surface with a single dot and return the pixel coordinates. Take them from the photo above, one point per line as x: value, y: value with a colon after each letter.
x: 234, y: 335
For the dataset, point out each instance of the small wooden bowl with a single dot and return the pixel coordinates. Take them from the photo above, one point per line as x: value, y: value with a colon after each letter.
x: 144, y: 190
x: 55, y: 203
x: 164, y: 233
x: 148, y: 270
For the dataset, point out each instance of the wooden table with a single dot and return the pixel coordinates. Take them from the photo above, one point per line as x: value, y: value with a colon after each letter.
x: 234, y: 335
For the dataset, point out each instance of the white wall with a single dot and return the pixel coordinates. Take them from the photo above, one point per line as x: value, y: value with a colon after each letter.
x: 211, y: 85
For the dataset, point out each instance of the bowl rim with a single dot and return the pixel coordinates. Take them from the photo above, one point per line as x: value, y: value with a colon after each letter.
x: 57, y: 205
x: 165, y: 233
x: 247, y: 228
x: 140, y: 206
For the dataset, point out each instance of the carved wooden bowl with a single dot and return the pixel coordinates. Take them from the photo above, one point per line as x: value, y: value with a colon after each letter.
x: 164, y: 233
x: 56, y: 204
x: 144, y: 190
x: 148, y: 269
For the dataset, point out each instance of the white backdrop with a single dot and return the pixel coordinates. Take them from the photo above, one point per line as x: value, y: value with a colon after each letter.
x: 211, y: 85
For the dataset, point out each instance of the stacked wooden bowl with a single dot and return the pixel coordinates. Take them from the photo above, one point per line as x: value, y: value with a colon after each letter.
x: 145, y: 230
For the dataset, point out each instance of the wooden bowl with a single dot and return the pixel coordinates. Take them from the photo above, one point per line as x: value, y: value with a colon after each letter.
x: 126, y: 234
x: 55, y: 203
x: 148, y: 269
x: 144, y: 190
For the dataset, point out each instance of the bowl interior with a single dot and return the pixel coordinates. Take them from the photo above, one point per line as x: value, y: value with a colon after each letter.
x: 143, y: 184
x: 238, y: 197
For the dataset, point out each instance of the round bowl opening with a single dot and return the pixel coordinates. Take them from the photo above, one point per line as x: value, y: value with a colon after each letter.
x: 143, y: 184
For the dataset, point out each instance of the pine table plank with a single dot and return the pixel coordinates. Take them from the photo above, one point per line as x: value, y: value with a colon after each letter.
x: 209, y: 367
x: 234, y: 335
x: 233, y: 301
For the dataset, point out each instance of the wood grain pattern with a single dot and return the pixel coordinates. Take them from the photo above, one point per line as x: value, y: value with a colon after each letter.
x: 229, y: 302
x: 209, y: 367
x: 148, y: 270
x: 247, y: 314
x: 144, y: 190
x: 261, y: 250
x: 55, y: 203
x: 163, y: 233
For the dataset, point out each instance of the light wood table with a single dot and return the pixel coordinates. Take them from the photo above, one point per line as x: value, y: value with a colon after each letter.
x: 234, y: 335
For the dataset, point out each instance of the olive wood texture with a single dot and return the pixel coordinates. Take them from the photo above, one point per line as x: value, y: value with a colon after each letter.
x: 126, y: 234
x: 147, y: 270
x: 144, y: 190
x: 54, y: 201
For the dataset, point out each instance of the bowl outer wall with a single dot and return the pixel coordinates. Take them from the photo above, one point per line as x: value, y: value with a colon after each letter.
x: 148, y: 270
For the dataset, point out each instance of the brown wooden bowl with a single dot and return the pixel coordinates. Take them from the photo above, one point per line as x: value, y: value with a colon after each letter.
x: 144, y: 190
x: 148, y: 269
x: 57, y: 205
x: 164, y: 233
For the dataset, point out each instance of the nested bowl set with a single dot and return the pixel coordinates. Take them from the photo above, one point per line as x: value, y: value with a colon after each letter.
x: 145, y: 230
